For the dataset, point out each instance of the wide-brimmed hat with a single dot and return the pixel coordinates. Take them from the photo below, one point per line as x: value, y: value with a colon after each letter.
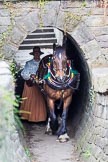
x: 38, y: 48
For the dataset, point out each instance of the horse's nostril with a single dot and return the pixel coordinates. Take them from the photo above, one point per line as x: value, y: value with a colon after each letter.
x: 61, y: 79
x: 58, y: 78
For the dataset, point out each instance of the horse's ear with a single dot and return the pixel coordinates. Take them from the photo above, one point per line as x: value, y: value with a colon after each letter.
x: 54, y: 48
x: 64, y: 40
x: 69, y: 62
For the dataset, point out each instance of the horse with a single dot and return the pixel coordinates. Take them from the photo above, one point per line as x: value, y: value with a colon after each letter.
x: 58, y: 81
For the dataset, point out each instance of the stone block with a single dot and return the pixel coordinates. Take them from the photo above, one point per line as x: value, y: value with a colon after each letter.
x: 17, y: 36
x: 5, y: 75
x: 4, y: 12
x: 101, y: 122
x: 106, y: 150
x: 9, y: 50
x: 102, y: 38
x: 95, y: 20
x: 101, y: 142
x: 28, y: 23
x: 100, y: 79
x: 82, y: 35
x: 91, y: 50
x: 104, y: 158
x: 4, y: 21
x: 98, y: 31
x: 3, y: 29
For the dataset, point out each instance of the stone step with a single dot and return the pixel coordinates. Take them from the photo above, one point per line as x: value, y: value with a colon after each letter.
x: 43, y: 30
x: 40, y: 35
x: 30, y: 46
x: 40, y: 40
x: 43, y: 37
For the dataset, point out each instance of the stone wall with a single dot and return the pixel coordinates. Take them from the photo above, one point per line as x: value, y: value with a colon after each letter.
x: 88, y: 26
x: 92, y: 134
x: 11, y: 144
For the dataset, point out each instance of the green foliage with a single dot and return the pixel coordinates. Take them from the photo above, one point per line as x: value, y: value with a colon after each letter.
x: 27, y: 152
x: 91, y: 97
x: 87, y: 154
x: 14, y: 69
x: 84, y: 4
x: 17, y: 112
x: 70, y: 19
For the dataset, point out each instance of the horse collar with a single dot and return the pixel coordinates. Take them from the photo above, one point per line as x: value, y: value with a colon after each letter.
x: 70, y: 82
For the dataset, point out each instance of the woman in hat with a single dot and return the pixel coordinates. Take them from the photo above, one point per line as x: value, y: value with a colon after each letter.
x: 33, y: 104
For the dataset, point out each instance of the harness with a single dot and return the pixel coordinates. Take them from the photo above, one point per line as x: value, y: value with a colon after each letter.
x: 72, y: 79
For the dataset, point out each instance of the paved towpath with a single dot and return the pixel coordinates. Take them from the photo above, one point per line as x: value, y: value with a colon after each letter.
x: 46, y: 148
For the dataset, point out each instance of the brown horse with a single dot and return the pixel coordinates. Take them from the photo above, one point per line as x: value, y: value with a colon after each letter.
x: 59, y: 81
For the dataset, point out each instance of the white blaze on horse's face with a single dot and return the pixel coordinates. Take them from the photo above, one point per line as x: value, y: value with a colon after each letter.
x: 60, y: 65
x: 60, y: 55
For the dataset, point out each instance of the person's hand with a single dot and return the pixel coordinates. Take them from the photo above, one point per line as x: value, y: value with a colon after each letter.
x: 37, y: 79
x: 31, y: 81
x: 32, y: 76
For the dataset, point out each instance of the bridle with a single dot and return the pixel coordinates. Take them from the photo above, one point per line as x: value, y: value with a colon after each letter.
x: 52, y: 81
x: 51, y: 78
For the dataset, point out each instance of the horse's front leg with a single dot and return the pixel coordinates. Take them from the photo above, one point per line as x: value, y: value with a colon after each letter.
x: 52, y: 120
x: 62, y: 131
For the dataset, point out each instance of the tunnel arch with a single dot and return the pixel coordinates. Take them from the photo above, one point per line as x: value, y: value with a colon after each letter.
x: 81, y: 96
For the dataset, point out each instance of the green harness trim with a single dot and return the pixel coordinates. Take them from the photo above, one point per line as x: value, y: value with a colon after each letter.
x: 48, y: 75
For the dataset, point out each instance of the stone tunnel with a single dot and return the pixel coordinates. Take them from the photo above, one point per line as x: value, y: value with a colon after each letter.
x: 87, y: 36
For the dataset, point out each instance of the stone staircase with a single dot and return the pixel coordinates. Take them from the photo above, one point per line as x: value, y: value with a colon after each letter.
x: 43, y: 37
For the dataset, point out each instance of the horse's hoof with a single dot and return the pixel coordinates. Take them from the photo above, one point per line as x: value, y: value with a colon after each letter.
x: 49, y: 132
x: 63, y: 138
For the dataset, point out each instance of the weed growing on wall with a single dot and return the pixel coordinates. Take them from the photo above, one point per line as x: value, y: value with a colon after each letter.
x: 41, y: 4
x: 87, y: 154
x: 70, y: 20
x: 91, y: 97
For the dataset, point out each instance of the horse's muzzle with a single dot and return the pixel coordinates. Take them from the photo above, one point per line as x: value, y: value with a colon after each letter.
x: 61, y: 79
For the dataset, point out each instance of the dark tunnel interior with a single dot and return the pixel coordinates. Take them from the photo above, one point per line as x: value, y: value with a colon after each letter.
x: 80, y: 96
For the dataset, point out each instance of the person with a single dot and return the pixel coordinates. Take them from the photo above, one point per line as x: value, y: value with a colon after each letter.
x: 33, y: 106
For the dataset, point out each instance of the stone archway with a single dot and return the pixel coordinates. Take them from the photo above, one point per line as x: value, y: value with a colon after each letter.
x: 95, y: 116
x: 74, y: 53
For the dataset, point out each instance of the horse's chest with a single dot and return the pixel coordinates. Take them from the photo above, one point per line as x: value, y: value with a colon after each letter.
x: 56, y: 94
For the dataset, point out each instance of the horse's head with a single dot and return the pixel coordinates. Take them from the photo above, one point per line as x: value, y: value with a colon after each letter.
x: 59, y: 62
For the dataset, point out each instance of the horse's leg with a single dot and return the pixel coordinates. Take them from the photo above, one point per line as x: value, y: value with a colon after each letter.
x: 63, y: 127
x: 48, y: 129
x: 52, y: 116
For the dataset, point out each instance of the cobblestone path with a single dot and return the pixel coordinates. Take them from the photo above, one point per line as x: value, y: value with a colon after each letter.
x: 46, y: 148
